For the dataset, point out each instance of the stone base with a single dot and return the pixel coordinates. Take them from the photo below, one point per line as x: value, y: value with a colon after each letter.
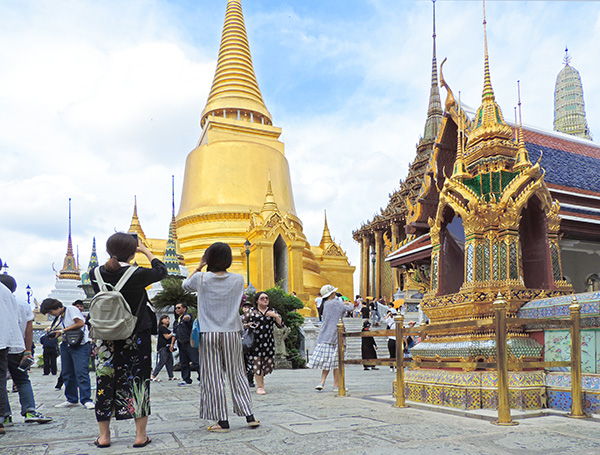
x: 474, y: 389
x: 281, y: 363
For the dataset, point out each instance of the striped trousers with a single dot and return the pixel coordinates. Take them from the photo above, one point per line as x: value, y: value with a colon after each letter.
x: 220, y: 356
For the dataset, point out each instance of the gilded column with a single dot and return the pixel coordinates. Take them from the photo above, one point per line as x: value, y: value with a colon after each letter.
x: 395, y: 241
x: 378, y: 262
x: 364, y: 267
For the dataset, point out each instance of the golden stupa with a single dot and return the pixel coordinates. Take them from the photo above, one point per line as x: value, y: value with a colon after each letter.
x: 237, y: 187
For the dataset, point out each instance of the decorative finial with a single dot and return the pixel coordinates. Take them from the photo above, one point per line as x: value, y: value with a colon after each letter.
x: 460, y: 170
x: 522, y: 155
x: 173, y: 195
x: 488, y: 92
x: 567, y: 58
x: 69, y: 218
x: 135, y: 206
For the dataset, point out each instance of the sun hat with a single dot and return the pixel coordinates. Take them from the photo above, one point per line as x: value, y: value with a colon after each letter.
x: 327, y: 290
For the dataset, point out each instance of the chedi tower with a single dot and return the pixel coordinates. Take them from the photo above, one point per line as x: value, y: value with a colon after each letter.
x: 237, y: 184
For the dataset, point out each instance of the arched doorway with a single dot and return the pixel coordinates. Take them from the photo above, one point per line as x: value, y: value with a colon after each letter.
x: 280, y: 263
x: 452, y: 253
x: 533, y: 233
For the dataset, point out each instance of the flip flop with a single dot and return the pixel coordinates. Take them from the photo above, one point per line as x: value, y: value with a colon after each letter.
x: 216, y: 428
x: 254, y: 423
x: 143, y: 444
x: 100, y: 446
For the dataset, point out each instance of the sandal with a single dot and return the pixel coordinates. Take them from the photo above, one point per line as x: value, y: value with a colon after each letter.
x: 254, y: 423
x: 261, y: 391
x: 216, y: 428
x: 100, y: 446
x: 143, y: 444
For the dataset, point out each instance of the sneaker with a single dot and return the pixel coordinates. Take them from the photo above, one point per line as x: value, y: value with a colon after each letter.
x: 89, y: 405
x: 36, y: 417
x: 8, y: 421
x: 66, y: 404
x: 319, y: 386
x: 183, y: 384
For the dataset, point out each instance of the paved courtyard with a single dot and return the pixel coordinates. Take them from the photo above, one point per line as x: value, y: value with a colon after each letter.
x: 296, y: 419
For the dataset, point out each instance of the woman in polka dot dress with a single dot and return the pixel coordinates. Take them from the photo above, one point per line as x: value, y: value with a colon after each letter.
x: 260, y: 320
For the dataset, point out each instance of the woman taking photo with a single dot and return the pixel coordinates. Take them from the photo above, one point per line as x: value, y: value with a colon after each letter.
x: 123, y: 366
x: 165, y: 356
x: 219, y: 299
x: 325, y: 355
x: 260, y: 320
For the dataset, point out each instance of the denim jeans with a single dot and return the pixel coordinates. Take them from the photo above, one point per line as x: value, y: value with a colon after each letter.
x: 75, y: 362
x: 21, y: 380
x: 188, y: 354
x: 165, y: 359
x: 3, y: 371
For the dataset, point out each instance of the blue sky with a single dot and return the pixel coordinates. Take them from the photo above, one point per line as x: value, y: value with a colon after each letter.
x: 101, y: 100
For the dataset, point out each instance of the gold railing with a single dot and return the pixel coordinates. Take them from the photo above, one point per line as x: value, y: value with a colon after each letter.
x: 502, y: 364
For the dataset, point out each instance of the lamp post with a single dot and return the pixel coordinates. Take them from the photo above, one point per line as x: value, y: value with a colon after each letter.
x: 29, y: 294
x: 249, y: 288
x: 373, y: 261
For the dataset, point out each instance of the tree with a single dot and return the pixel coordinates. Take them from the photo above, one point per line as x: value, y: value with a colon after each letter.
x: 172, y: 293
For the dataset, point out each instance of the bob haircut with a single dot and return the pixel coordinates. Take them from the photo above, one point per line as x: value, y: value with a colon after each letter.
x: 50, y: 304
x: 218, y: 257
x: 163, y: 317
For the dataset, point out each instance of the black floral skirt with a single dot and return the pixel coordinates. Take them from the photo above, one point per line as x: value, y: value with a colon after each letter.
x: 123, y: 370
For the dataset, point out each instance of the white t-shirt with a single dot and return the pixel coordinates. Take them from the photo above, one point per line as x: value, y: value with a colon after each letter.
x: 24, y: 315
x: 319, y: 301
x: 72, y: 313
x: 10, y: 335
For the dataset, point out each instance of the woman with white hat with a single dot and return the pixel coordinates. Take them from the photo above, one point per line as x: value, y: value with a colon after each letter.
x: 325, y: 355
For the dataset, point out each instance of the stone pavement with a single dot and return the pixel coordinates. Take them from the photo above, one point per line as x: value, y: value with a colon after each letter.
x: 296, y: 419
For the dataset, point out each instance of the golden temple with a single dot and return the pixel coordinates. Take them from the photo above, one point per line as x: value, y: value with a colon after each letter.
x: 237, y: 187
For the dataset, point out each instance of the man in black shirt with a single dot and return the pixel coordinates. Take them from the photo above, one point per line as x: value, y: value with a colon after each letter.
x: 165, y: 356
x: 182, y: 328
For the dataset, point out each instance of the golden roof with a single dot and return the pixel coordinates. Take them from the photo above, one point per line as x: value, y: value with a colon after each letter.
x: 235, y: 85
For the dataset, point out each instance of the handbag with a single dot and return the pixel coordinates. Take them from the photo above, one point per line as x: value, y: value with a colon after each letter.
x: 195, y: 335
x: 248, y: 341
x: 74, y: 337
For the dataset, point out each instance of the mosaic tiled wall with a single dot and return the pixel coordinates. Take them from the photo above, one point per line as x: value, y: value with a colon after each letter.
x: 557, y: 347
x: 559, y: 392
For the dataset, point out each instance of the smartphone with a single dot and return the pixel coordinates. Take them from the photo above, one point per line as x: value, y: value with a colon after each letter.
x: 135, y: 236
x: 25, y: 364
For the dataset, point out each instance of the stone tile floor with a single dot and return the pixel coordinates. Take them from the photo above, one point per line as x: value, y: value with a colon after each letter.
x: 296, y: 419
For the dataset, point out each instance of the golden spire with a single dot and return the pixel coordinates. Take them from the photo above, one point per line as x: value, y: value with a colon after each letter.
x: 488, y: 122
x: 326, y: 238
x: 434, y: 111
x: 70, y: 270
x: 135, y: 225
x: 522, y: 160
x: 270, y: 205
x: 235, y: 88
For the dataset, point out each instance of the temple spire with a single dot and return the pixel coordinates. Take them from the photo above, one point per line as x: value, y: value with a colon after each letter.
x: 434, y: 110
x: 234, y: 92
x: 522, y: 161
x: 567, y: 57
x: 70, y: 269
x: 326, y: 237
x: 270, y: 205
x: 460, y: 170
x: 135, y: 225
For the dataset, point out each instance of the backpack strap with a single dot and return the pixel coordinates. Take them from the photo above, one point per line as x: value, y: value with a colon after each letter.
x: 101, y: 284
x: 125, y: 277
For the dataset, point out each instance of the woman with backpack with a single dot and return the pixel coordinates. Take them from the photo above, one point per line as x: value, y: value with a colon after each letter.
x: 123, y: 366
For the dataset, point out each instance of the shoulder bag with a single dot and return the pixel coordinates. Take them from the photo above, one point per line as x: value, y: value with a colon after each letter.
x: 195, y: 335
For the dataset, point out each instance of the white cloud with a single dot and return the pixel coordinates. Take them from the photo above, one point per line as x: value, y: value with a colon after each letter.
x: 101, y: 100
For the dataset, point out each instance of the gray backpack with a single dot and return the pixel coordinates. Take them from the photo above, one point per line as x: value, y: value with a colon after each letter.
x: 110, y: 314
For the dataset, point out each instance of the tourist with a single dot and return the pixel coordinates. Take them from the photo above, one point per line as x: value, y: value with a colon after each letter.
x: 375, y: 313
x: 319, y: 305
x: 165, y: 356
x: 182, y: 330
x: 260, y: 320
x: 247, y: 347
x: 17, y: 361
x: 219, y: 299
x: 49, y: 354
x: 74, y: 359
x: 391, y: 325
x: 368, y: 347
x: 325, y: 354
x: 365, y: 311
x: 10, y: 339
x: 123, y: 366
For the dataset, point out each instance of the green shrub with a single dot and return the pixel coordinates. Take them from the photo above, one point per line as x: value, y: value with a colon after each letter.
x: 173, y: 293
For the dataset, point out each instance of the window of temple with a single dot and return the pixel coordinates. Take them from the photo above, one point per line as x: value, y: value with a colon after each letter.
x: 535, y: 254
x: 280, y: 263
x: 593, y: 283
x: 452, y: 253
